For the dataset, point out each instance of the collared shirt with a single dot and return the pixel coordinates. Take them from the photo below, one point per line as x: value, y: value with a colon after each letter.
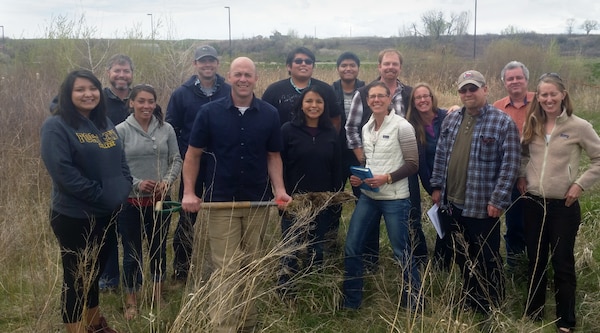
x: 117, y: 109
x: 236, y: 148
x: 208, y: 91
x: 493, y: 160
x: 518, y: 115
x: 355, y: 120
x: 184, y: 104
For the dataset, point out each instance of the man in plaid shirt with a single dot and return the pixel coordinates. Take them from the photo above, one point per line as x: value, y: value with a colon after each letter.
x: 476, y: 164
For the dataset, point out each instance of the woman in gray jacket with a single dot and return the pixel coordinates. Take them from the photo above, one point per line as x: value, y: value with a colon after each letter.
x: 153, y: 157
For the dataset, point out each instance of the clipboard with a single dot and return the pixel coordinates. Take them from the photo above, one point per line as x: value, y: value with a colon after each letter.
x: 435, y: 220
x: 363, y: 173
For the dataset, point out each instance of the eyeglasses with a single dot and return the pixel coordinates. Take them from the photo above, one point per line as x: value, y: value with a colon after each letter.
x: 379, y: 96
x: 464, y: 90
x: 554, y: 75
x: 418, y: 98
x: 299, y: 61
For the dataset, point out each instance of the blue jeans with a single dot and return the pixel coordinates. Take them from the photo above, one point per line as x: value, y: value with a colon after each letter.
x: 368, y: 213
x: 134, y: 224
x: 515, y: 233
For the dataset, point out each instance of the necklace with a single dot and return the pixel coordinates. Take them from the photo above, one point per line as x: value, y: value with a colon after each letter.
x: 299, y: 90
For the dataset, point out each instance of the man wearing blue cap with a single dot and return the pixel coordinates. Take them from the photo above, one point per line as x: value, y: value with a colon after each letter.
x: 203, y: 87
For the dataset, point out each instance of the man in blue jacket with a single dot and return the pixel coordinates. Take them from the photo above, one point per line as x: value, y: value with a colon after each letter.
x: 203, y: 87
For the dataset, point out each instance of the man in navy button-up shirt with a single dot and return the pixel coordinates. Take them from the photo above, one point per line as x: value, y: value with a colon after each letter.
x: 240, y: 137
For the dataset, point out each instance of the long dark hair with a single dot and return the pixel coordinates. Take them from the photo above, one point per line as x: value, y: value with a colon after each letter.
x: 67, y: 110
x: 299, y: 116
x: 149, y: 89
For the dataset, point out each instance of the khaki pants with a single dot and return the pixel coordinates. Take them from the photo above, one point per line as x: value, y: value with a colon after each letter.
x: 236, y: 237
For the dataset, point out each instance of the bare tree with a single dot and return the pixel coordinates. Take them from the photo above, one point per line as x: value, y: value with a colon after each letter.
x: 406, y: 31
x: 434, y: 23
x: 589, y: 25
x: 460, y: 23
x: 415, y: 30
x: 570, y: 26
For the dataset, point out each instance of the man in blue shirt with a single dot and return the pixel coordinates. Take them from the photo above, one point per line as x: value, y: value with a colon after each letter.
x: 239, y: 136
x: 475, y: 167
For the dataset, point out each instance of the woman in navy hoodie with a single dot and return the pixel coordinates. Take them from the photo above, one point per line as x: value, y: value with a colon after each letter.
x: 311, y: 163
x: 90, y: 180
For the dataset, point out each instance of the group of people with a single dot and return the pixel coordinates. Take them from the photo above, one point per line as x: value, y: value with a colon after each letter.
x: 112, y: 155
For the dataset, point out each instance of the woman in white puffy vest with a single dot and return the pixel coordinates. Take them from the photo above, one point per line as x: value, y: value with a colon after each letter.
x: 391, y: 153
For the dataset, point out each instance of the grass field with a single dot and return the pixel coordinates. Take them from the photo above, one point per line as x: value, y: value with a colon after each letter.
x: 31, y: 277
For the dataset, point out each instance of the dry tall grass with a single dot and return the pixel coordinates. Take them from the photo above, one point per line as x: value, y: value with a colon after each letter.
x: 30, y: 279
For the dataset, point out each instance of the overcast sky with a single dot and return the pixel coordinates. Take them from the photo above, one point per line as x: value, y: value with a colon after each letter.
x: 208, y: 19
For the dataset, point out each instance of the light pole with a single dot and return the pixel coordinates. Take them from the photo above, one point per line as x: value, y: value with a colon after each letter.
x: 151, y: 25
x: 1, y: 26
x: 475, y: 32
x: 229, y: 18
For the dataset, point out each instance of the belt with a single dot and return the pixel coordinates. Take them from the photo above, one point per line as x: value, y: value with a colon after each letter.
x: 546, y: 200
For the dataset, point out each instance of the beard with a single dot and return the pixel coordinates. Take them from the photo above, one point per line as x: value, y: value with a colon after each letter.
x: 120, y: 86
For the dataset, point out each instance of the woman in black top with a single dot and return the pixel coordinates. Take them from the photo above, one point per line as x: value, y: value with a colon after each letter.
x: 311, y: 163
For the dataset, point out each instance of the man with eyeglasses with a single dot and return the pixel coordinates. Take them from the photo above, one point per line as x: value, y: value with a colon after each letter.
x: 203, y: 87
x: 390, y: 67
x: 515, y: 77
x: 475, y: 167
x: 283, y: 94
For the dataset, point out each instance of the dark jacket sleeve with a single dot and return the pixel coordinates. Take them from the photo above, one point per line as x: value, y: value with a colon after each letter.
x: 424, y: 172
x: 57, y: 157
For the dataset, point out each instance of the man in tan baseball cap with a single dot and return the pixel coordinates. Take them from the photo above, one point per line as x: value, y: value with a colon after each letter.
x: 476, y: 164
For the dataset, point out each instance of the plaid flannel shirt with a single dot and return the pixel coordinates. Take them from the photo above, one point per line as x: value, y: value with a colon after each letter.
x: 493, y: 161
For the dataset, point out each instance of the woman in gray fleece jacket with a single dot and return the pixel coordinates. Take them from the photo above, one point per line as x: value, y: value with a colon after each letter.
x: 153, y: 157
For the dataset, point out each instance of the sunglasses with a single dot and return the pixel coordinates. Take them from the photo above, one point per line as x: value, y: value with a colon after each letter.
x: 554, y: 75
x: 464, y: 90
x: 299, y: 61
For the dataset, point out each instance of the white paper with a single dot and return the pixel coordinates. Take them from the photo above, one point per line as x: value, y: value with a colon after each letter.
x: 435, y: 220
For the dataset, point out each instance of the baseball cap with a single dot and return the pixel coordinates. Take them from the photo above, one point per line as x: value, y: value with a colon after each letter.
x: 205, y: 51
x: 472, y: 77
